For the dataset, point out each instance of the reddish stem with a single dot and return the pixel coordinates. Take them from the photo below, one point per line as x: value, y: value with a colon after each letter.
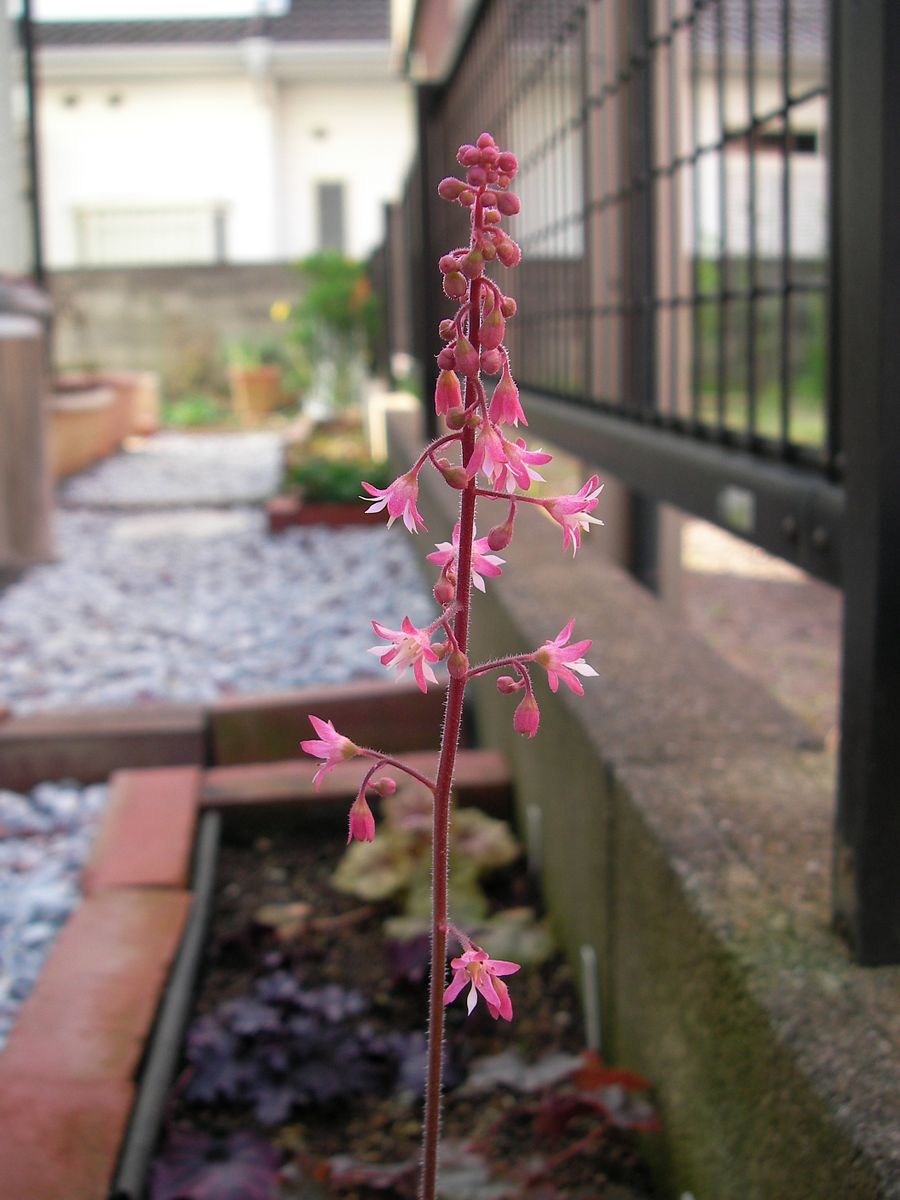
x: 449, y: 743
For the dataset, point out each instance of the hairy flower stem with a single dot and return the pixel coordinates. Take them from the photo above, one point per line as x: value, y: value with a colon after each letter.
x: 441, y: 821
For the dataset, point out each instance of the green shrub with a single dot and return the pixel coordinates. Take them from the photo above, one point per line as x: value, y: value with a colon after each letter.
x: 336, y: 480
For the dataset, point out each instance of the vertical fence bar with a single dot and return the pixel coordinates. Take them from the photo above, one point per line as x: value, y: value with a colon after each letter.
x: 425, y: 312
x: 866, y: 376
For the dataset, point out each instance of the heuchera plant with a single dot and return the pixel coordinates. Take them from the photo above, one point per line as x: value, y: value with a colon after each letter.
x: 489, y: 463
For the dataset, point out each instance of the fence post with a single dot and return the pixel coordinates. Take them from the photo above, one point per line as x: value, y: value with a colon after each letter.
x: 865, y: 372
x: 425, y: 310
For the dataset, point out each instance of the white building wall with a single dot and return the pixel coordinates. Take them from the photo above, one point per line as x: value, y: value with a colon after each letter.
x: 124, y: 145
x: 360, y: 135
x: 139, y: 152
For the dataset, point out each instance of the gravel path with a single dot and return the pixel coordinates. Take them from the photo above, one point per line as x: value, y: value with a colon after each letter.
x: 156, y: 595
x: 189, y: 603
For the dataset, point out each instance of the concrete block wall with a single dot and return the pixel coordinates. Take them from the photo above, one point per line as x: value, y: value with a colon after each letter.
x: 686, y: 836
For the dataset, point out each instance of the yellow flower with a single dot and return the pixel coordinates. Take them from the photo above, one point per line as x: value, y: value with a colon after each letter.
x: 280, y: 310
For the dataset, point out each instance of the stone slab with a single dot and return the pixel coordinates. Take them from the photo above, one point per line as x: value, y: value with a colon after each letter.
x: 59, y: 1143
x: 90, y: 744
x: 147, y: 835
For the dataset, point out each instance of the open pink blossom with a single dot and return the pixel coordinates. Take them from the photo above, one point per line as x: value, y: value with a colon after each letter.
x: 411, y: 648
x: 518, y: 469
x: 489, y: 455
x: 475, y: 968
x: 361, y: 822
x: 573, y: 513
x: 332, y: 747
x: 399, y: 498
x: 483, y: 563
x: 560, y: 660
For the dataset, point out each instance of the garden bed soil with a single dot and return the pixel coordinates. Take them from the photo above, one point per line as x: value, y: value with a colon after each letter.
x: 325, y: 938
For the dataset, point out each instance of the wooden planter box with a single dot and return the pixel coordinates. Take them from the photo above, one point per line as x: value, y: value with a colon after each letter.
x: 284, y: 511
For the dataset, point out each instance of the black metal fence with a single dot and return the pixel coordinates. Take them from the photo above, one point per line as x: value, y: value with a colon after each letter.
x: 693, y: 174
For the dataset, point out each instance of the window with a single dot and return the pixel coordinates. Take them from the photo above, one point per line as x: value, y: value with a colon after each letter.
x: 171, y: 234
x: 330, y: 216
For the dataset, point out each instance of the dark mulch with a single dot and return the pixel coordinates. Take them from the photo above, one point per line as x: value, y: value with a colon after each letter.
x: 342, y: 943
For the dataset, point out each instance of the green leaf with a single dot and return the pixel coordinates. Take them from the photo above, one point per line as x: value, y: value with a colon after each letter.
x: 375, y: 870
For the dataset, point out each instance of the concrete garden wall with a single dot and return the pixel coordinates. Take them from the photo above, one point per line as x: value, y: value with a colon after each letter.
x: 686, y: 837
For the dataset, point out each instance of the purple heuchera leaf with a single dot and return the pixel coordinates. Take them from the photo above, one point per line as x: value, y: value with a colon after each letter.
x: 333, y: 1002
x: 248, y: 1016
x: 197, y: 1166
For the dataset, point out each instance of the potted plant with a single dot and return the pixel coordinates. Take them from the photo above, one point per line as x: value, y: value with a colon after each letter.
x: 255, y: 377
x: 324, y: 490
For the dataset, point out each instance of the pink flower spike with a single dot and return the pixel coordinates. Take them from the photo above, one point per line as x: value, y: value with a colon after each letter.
x: 361, y: 823
x: 483, y: 563
x: 560, y: 660
x: 505, y: 406
x: 475, y: 968
x: 331, y: 746
x: 399, y: 498
x: 412, y: 648
x: 573, y: 512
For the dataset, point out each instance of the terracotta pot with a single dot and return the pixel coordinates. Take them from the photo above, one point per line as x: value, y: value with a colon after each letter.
x: 255, y: 392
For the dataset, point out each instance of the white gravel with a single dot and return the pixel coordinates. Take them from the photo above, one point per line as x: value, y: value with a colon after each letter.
x: 157, y: 595
x: 182, y: 469
x: 191, y: 603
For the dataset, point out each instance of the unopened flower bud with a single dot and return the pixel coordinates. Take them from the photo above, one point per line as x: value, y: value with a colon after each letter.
x: 492, y: 217
x: 473, y: 264
x: 449, y: 188
x: 447, y: 393
x: 501, y: 535
x: 467, y: 197
x: 456, y: 477
x: 476, y: 176
x: 509, y: 252
x: 508, y: 307
x: 491, y: 362
x: 448, y: 263
x: 441, y: 649
x: 455, y: 285
x: 443, y: 591
x: 457, y: 664
x: 361, y: 823
x: 508, y: 163
x: 503, y: 181
x: 489, y: 200
x: 484, y: 139
x: 492, y: 175
x: 466, y: 355
x: 489, y: 156
x: 527, y: 717
x: 455, y: 419
x: 507, y: 686
x: 447, y: 329
x: 468, y: 154
x: 386, y: 786
x: 508, y: 203
x: 492, y: 330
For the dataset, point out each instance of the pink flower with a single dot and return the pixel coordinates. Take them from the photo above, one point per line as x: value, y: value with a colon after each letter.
x: 573, y: 512
x: 331, y: 746
x: 475, y: 968
x: 489, y: 455
x: 517, y: 470
x: 527, y: 717
x: 447, y: 394
x: 560, y: 660
x: 483, y: 563
x: 505, y: 406
x: 399, y: 498
x: 412, y: 648
x: 362, y: 823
